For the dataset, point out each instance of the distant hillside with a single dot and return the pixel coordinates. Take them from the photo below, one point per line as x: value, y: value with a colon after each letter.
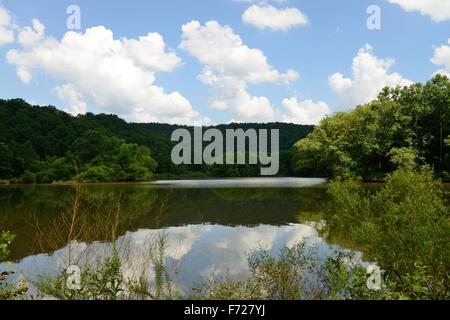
x: 33, y: 133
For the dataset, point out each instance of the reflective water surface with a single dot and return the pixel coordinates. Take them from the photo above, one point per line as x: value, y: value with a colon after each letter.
x: 211, y: 226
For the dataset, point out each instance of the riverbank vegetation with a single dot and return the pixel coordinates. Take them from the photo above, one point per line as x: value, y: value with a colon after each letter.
x: 8, y: 290
x: 403, y: 126
x: 404, y: 227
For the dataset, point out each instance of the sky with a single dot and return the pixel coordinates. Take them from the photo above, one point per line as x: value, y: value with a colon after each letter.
x: 218, y: 61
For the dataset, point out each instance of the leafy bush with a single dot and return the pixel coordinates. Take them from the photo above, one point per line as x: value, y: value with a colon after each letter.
x: 28, y: 177
x: 296, y: 273
x: 404, y: 227
x: 99, y: 173
x: 102, y: 283
x: 8, y: 291
x: 5, y: 241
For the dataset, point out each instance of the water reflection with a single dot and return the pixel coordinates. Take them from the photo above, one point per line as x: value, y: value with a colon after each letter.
x: 36, y: 213
x: 212, y: 226
x: 244, y: 183
x: 195, y: 253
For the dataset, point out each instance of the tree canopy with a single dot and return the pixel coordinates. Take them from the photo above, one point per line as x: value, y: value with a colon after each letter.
x: 42, y: 144
x: 404, y: 126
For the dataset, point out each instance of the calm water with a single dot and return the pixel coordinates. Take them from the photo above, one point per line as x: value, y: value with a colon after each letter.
x: 211, y: 226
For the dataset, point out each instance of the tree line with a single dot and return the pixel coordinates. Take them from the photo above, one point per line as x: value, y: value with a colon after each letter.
x: 404, y: 127
x: 44, y: 144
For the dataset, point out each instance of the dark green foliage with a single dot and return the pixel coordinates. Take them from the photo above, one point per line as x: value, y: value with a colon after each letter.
x: 43, y: 145
x: 105, y: 158
x: 6, y: 158
x: 404, y: 227
x: 7, y: 290
x: 5, y: 240
x: 28, y: 177
x: 404, y: 126
x: 46, y: 142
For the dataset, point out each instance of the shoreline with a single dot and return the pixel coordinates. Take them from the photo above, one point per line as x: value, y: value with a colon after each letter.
x: 153, y: 181
x: 4, y: 183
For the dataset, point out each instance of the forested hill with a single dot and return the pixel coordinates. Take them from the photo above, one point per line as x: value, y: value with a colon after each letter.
x: 403, y: 128
x: 43, y: 143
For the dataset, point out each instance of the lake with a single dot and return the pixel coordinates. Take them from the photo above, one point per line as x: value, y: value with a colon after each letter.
x: 211, y: 226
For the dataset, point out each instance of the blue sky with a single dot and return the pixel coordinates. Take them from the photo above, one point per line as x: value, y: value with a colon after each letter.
x: 319, y: 53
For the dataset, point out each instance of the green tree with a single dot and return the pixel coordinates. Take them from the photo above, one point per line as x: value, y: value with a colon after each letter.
x: 136, y: 162
x: 407, y: 123
x: 404, y: 227
x: 6, y: 157
x: 403, y: 158
x: 437, y: 93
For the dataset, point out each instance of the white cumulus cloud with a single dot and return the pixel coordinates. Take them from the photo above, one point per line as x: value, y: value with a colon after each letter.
x: 116, y: 75
x: 438, y: 10
x: 442, y: 58
x: 304, y: 112
x: 268, y: 17
x: 229, y: 67
x: 73, y: 99
x: 6, y: 32
x: 370, y: 75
